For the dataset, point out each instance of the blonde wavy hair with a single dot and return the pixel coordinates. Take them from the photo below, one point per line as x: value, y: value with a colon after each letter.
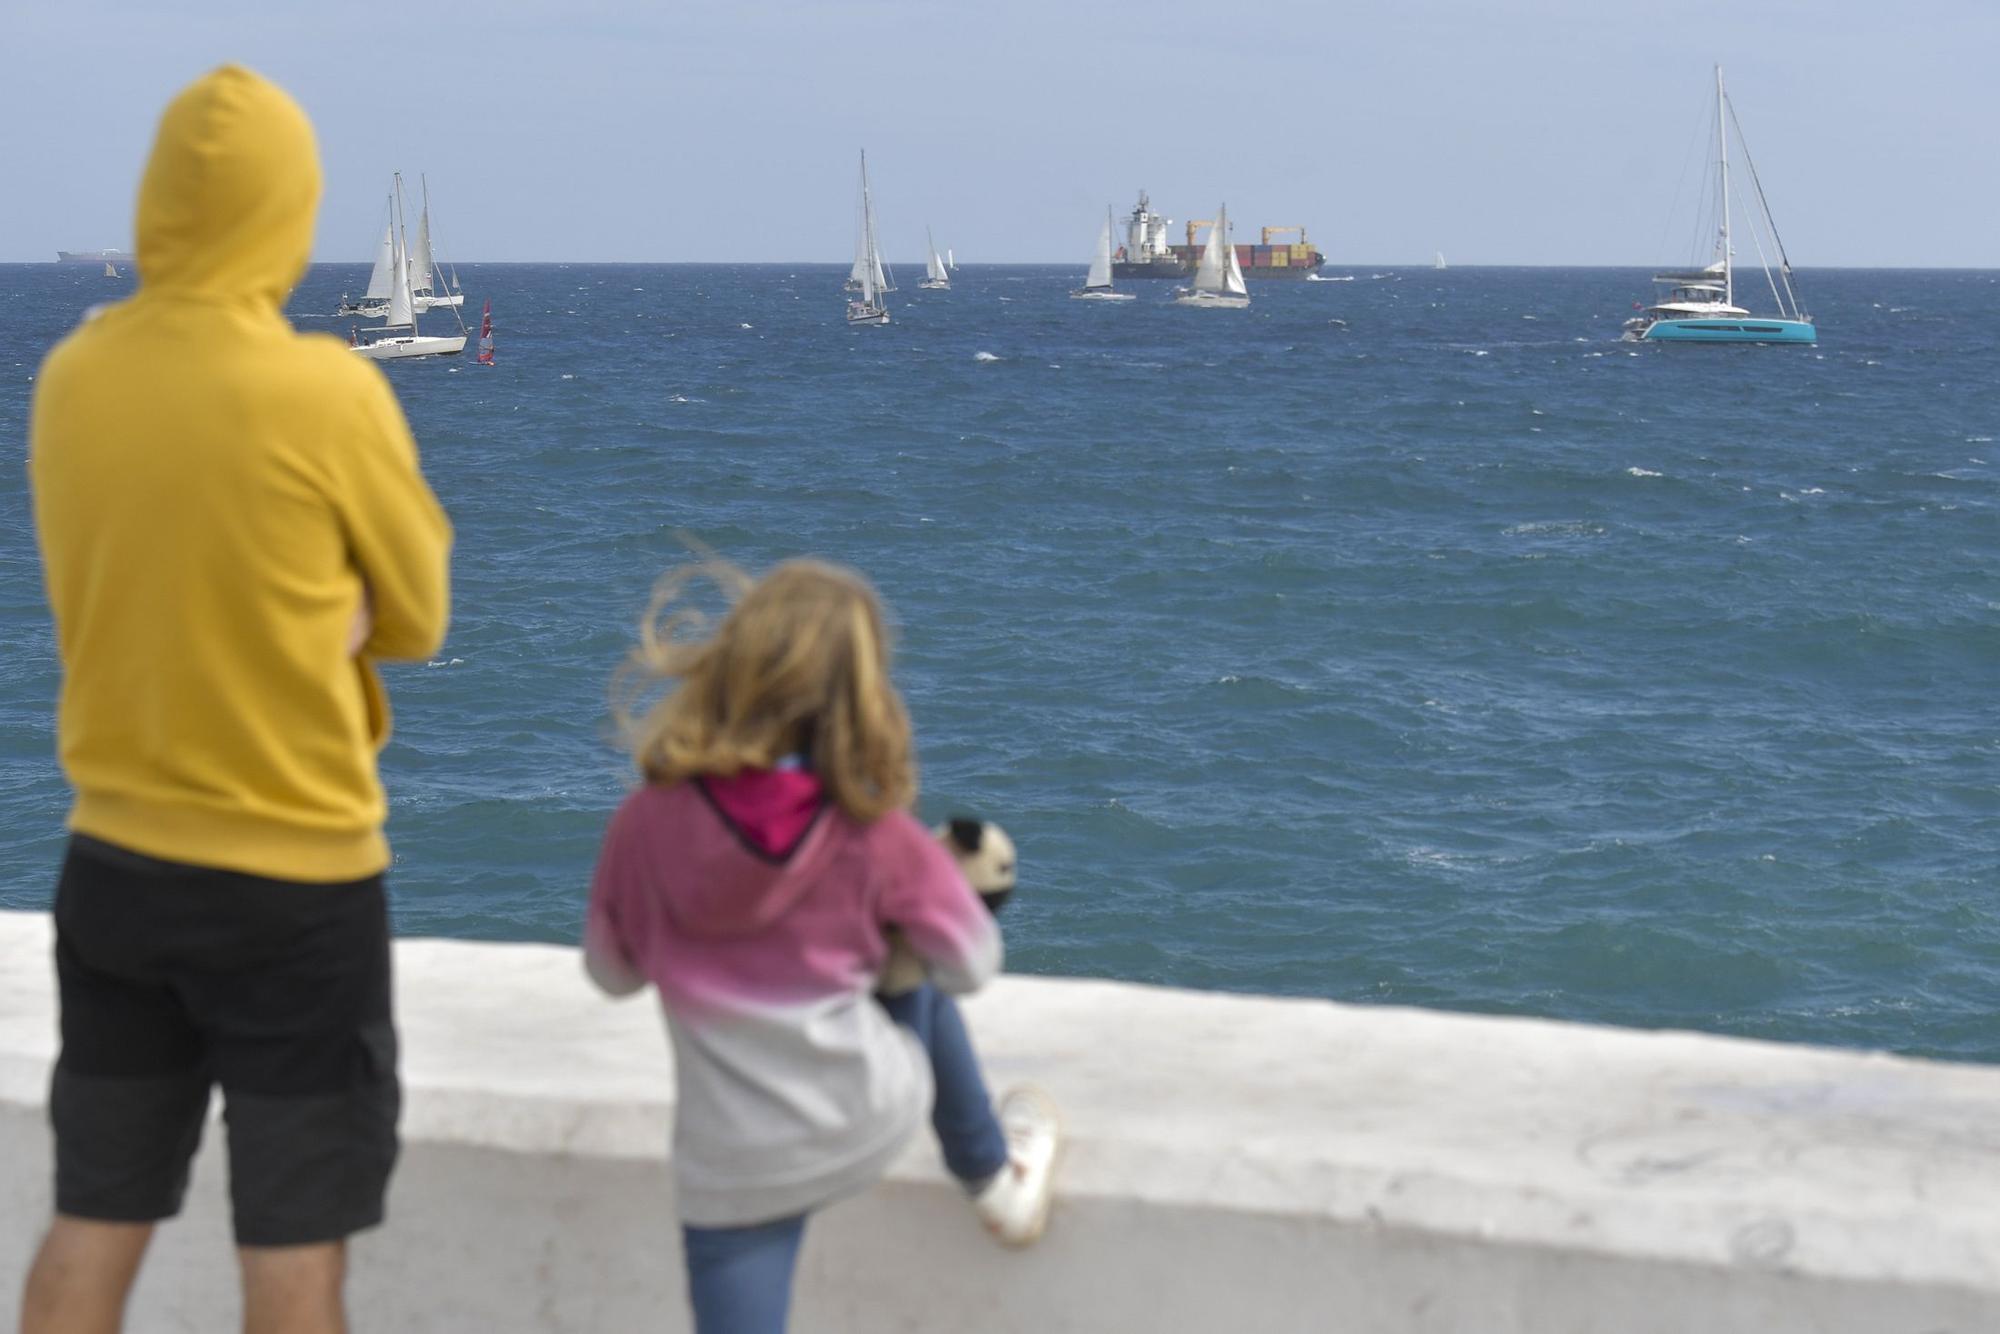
x: 798, y: 665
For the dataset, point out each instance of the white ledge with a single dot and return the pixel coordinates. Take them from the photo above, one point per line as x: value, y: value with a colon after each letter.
x: 1234, y: 1162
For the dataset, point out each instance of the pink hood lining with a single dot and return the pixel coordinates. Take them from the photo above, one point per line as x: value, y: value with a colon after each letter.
x: 770, y: 810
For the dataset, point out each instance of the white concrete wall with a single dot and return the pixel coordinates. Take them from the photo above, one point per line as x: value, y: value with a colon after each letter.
x: 1235, y: 1164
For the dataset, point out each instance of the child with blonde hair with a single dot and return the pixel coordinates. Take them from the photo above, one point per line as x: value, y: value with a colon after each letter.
x: 751, y: 880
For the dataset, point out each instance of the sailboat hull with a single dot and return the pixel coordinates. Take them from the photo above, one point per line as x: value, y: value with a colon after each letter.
x: 1213, y: 300
x: 397, y: 349
x: 1099, y: 294
x: 935, y: 285
x: 1747, y: 329
x: 375, y: 310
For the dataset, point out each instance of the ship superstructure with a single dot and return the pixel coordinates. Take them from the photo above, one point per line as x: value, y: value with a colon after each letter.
x: 1147, y: 252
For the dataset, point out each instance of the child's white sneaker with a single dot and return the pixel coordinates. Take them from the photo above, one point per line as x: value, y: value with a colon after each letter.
x: 1015, y: 1204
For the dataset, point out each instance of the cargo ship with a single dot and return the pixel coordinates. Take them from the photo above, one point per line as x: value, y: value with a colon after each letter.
x: 1148, y: 252
x: 95, y: 257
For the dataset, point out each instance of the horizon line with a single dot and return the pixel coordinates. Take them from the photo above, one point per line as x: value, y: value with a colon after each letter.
x: 1052, y: 264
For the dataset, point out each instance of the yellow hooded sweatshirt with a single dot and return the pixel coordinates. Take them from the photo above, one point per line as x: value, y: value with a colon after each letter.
x: 212, y: 493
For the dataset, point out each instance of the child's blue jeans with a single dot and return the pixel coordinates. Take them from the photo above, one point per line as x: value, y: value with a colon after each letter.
x: 740, y: 1278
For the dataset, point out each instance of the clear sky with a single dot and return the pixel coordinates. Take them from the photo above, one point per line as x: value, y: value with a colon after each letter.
x: 1497, y: 131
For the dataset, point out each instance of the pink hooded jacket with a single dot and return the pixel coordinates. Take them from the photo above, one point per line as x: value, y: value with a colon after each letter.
x: 757, y: 910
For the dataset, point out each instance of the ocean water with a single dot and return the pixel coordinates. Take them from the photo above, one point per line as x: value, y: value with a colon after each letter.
x: 1407, y: 639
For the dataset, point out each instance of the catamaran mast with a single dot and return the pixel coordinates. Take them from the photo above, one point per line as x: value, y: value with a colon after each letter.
x: 1722, y: 149
x: 1764, y: 205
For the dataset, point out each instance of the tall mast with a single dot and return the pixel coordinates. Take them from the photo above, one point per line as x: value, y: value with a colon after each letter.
x: 1722, y: 149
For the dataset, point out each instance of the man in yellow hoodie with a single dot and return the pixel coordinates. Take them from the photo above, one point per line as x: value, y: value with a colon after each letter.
x: 233, y: 525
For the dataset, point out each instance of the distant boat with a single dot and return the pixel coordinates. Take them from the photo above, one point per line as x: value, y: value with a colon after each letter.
x: 124, y: 257
x: 427, y: 285
x: 868, y: 276
x: 374, y: 303
x: 1440, y: 261
x: 485, y: 357
x: 398, y: 337
x: 1700, y: 305
x: 883, y: 281
x: 937, y: 277
x: 110, y: 271
x: 949, y: 262
x: 1097, y: 283
x: 1218, y: 280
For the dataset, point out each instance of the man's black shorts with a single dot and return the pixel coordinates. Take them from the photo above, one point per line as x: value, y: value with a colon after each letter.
x: 177, y: 978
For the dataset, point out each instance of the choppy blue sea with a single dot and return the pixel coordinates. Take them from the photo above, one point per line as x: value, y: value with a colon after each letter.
x: 1406, y: 639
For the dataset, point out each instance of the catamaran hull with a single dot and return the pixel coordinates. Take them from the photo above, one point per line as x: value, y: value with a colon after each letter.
x: 1749, y: 330
x: 396, y: 349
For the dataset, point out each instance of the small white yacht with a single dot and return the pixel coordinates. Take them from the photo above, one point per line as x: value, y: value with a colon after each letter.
x: 1218, y: 281
x: 868, y: 277
x: 1097, y: 283
x: 398, y: 337
x: 428, y: 286
x: 937, y: 276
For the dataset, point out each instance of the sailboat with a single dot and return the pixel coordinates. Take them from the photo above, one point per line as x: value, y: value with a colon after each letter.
x: 397, y: 336
x: 868, y: 275
x: 374, y: 303
x: 485, y: 357
x: 861, y: 260
x: 1700, y: 305
x: 1097, y: 283
x: 424, y: 274
x: 1218, y: 282
x: 936, y: 277
x: 110, y: 271
x: 950, y: 261
x: 1440, y: 264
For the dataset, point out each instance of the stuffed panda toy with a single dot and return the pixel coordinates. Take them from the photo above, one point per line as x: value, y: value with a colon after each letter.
x: 985, y: 855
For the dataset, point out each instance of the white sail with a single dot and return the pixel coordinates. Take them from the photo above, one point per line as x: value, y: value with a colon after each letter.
x: 401, y: 305
x: 934, y: 269
x: 421, y: 263
x: 1210, y: 274
x: 1100, y: 259
x: 860, y: 272
x: 1232, y: 280
x: 877, y: 273
x: 950, y: 260
x: 1440, y: 260
x: 378, y: 277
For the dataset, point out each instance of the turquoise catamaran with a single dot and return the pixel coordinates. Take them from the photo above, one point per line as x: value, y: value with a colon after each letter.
x: 1700, y: 304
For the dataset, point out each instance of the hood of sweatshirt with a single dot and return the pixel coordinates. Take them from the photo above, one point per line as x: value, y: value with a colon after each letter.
x: 227, y: 206
x: 729, y: 856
